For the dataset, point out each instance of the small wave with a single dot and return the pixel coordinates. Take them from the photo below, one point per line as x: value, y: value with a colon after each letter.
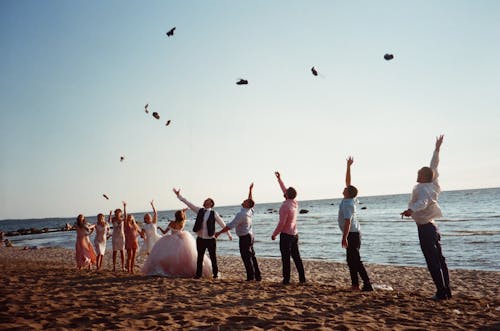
x: 463, y: 233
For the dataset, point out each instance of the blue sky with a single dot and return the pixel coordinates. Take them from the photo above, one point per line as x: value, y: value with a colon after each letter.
x: 75, y: 76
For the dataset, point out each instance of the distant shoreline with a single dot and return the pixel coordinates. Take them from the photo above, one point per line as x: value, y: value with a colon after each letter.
x: 236, y: 205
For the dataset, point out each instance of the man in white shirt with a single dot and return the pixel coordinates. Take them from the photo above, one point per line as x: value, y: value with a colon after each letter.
x: 424, y: 209
x: 242, y: 222
x: 204, y: 227
x: 351, y: 236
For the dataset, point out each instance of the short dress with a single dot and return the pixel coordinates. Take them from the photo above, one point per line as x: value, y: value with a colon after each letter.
x: 118, y: 239
x: 100, y: 238
x: 131, y: 233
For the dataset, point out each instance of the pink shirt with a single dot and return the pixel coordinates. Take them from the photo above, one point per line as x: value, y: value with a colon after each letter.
x: 288, y: 215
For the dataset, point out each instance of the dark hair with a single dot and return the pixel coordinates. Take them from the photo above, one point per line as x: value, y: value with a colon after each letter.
x: 212, y: 201
x: 353, y: 191
x: 79, y: 220
x: 180, y: 216
x: 250, y: 202
x: 427, y: 173
x: 118, y: 210
x: 291, y: 193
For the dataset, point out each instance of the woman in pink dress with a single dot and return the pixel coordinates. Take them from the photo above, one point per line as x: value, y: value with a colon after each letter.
x: 85, y: 254
x: 132, y: 231
x: 174, y: 255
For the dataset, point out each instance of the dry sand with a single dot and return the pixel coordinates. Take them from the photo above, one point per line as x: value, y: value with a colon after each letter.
x: 41, y: 289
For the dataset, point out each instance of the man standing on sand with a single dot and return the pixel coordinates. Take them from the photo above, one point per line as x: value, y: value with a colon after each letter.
x: 243, y: 224
x: 424, y: 209
x: 205, y: 229
x: 351, y: 236
x: 289, y: 236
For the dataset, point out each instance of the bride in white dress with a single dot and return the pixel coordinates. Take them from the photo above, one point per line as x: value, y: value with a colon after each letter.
x: 174, y: 255
x: 149, y: 231
x: 101, y: 236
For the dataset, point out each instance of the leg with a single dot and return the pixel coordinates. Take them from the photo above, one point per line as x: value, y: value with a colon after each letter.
x: 132, y: 261
x: 352, y: 257
x: 255, y: 265
x: 114, y: 260
x: 429, y: 242
x: 212, y: 252
x: 200, y: 248
x: 122, y: 258
x: 354, y: 240
x: 128, y: 259
x: 297, y: 260
x: 285, y: 248
x: 245, y: 252
x: 444, y: 268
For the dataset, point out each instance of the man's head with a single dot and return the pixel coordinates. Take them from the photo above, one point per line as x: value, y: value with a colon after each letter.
x: 248, y: 203
x: 290, y: 193
x: 350, y: 192
x: 208, y: 203
x: 425, y: 175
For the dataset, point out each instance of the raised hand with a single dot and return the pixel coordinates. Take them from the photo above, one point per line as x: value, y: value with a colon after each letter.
x: 177, y: 192
x: 277, y: 174
x: 439, y: 142
x: 350, y: 161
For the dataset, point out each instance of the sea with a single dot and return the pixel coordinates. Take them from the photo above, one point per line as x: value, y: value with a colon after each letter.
x: 470, y: 230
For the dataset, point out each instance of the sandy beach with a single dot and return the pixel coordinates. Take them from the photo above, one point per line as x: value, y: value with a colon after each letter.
x: 42, y: 289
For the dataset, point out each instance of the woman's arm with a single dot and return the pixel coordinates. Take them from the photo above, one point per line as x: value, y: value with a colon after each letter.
x: 155, y: 213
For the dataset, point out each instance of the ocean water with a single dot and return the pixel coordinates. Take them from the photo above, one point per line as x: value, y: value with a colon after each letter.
x: 470, y: 230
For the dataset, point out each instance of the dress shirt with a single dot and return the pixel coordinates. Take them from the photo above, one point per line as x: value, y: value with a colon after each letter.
x: 424, y: 198
x: 242, y: 222
x: 203, y: 232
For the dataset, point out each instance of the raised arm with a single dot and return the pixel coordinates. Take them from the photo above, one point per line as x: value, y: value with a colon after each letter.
x: 124, y: 211
x: 282, y: 185
x: 110, y: 216
x: 250, y: 192
x: 155, y: 213
x: 435, y: 156
x: 350, y: 161
x: 187, y: 203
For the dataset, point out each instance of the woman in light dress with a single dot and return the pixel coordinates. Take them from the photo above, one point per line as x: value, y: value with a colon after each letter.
x: 85, y: 254
x: 118, y: 239
x: 101, y: 236
x: 174, y: 255
x: 132, y: 231
x: 149, y: 231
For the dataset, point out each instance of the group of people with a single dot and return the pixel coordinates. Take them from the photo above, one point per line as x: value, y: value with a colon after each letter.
x: 178, y: 254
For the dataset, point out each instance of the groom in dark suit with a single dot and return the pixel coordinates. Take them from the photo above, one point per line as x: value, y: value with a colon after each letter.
x: 204, y: 227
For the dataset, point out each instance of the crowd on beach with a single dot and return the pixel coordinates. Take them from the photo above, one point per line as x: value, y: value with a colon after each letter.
x: 177, y: 253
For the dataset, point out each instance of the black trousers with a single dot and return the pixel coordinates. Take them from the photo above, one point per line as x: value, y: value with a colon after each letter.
x: 354, y: 259
x: 201, y: 246
x: 248, y: 256
x: 289, y: 246
x: 430, y: 243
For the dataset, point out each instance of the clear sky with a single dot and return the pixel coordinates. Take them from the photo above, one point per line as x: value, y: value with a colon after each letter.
x: 75, y: 76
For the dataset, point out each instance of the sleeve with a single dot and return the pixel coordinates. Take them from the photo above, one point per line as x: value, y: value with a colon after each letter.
x: 231, y: 225
x: 219, y: 220
x: 348, y: 211
x: 418, y: 200
x: 282, y: 185
x: 189, y: 204
x: 434, y: 165
x: 282, y: 222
